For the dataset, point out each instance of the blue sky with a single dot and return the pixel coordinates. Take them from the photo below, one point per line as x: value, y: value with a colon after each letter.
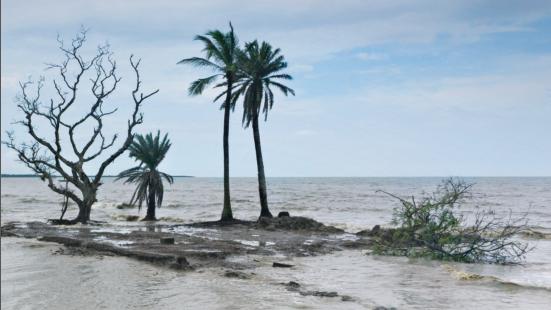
x: 384, y: 88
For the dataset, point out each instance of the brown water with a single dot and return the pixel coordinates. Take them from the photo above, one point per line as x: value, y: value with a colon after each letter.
x: 34, y: 278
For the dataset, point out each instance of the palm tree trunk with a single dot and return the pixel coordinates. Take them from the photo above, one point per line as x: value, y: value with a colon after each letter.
x: 264, y: 211
x: 226, y: 211
x: 150, y: 215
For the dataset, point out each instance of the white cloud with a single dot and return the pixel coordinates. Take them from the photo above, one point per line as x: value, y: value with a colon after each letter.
x: 307, y: 31
x: 486, y: 92
x: 370, y: 56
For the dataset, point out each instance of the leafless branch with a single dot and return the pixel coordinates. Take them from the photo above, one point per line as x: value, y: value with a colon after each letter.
x: 47, y: 156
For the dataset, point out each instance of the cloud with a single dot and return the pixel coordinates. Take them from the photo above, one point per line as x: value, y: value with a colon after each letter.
x: 486, y: 92
x: 335, y: 51
x: 370, y: 56
x: 307, y: 31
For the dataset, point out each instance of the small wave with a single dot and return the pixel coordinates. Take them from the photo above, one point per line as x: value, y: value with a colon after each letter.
x: 535, y: 234
x: 110, y: 205
x: 467, y: 276
x: 173, y: 205
x: 538, y: 227
x: 125, y: 217
x: 348, y: 227
x: 462, y: 275
x: 104, y: 205
x: 171, y: 219
x: 35, y: 200
x: 522, y: 285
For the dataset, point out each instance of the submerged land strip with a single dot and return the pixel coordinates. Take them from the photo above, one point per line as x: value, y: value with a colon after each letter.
x: 231, y: 244
x: 236, y: 246
x: 198, y: 245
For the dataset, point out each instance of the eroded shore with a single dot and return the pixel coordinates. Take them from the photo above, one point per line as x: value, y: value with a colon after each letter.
x: 231, y: 245
x: 233, y: 250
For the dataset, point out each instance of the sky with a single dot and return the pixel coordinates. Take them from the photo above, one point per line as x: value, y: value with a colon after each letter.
x: 383, y: 88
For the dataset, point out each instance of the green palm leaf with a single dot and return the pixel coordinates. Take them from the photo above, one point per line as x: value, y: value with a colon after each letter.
x: 221, y: 51
x: 260, y: 65
x: 149, y: 150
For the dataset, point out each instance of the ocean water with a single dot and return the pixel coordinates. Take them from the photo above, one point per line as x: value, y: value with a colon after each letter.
x: 34, y: 278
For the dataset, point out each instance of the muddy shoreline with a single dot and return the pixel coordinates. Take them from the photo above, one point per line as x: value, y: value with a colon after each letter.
x: 233, y: 250
x: 232, y: 245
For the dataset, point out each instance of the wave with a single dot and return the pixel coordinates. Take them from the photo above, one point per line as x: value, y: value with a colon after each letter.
x: 467, y: 276
x: 535, y: 234
x: 171, y: 219
x: 105, y: 205
x: 173, y: 205
x: 110, y: 205
x: 125, y: 217
x: 36, y: 200
x: 539, y: 227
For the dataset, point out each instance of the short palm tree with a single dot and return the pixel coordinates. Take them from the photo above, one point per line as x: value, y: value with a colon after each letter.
x: 220, y: 56
x: 260, y: 69
x: 149, y: 151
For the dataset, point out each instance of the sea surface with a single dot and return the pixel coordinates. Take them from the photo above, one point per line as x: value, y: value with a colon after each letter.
x: 34, y: 277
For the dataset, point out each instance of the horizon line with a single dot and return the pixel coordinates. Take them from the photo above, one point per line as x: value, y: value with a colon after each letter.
x: 28, y: 175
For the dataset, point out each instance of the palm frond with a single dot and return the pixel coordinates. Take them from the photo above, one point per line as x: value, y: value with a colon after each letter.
x: 210, y: 49
x: 199, y: 62
x: 221, y: 52
x: 150, y: 150
x: 284, y: 89
x: 197, y: 86
x: 259, y: 65
x: 280, y: 76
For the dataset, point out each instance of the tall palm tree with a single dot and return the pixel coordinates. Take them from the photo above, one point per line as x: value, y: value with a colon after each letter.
x: 149, y: 151
x: 221, y: 51
x: 260, y: 69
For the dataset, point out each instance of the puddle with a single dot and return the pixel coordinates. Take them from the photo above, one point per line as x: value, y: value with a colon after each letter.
x: 249, y: 243
x: 118, y: 230
x: 113, y: 242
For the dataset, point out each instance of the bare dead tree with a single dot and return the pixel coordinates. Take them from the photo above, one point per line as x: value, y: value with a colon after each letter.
x: 46, y: 157
x: 65, y: 203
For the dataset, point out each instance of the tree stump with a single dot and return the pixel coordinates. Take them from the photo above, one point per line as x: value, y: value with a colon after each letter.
x: 283, y: 214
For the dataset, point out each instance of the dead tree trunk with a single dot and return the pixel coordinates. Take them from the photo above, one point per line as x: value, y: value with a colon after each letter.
x: 46, y: 157
x: 65, y: 203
